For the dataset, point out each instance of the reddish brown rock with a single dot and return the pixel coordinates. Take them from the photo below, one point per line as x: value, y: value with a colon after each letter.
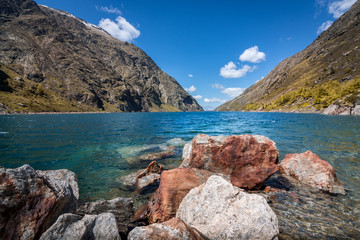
x: 174, y: 186
x: 157, y: 155
x: 149, y: 179
x: 247, y: 160
x: 311, y: 170
x: 172, y: 229
x: 30, y: 202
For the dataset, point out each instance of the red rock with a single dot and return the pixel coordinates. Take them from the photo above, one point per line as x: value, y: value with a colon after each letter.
x: 311, y: 170
x: 148, y: 180
x: 247, y: 160
x: 174, y: 186
x: 153, y: 167
x: 157, y: 155
x: 30, y: 202
x: 172, y: 229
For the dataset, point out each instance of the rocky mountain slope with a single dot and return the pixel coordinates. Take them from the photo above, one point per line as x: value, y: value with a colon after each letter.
x: 326, y: 73
x: 53, y: 61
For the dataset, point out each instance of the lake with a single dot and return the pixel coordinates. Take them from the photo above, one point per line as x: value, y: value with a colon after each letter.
x: 101, y: 148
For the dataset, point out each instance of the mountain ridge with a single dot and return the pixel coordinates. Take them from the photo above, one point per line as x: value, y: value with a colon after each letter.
x: 52, y: 61
x: 304, y: 82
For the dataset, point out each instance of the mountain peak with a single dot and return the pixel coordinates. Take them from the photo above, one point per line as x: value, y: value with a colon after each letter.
x: 54, y: 61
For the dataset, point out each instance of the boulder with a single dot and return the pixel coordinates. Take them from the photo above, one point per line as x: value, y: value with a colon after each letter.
x: 121, y: 208
x: 172, y: 229
x: 247, y: 160
x: 220, y: 210
x: 145, y: 180
x: 335, y: 109
x: 311, y: 170
x: 31, y: 201
x: 186, y: 155
x: 75, y: 227
x: 65, y: 184
x: 148, y: 180
x: 174, y: 186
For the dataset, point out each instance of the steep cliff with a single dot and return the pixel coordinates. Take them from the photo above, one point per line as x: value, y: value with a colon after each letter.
x: 52, y: 61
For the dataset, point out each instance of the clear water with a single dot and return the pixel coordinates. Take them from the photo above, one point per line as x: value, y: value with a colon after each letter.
x: 101, y: 148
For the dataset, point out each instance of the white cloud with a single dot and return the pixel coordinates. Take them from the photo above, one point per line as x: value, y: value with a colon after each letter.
x: 191, y: 89
x: 338, y: 8
x: 324, y: 26
x: 217, y: 85
x: 214, y: 99
x: 233, y: 92
x: 120, y: 29
x: 190, y: 75
x: 252, y: 55
x: 231, y: 71
x: 197, y: 97
x: 110, y: 9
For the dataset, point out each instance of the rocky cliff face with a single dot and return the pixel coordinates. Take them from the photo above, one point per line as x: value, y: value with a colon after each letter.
x: 53, y: 61
x: 326, y: 72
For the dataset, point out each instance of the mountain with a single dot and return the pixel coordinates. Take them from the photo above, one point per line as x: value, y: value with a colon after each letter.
x: 324, y: 75
x: 52, y: 61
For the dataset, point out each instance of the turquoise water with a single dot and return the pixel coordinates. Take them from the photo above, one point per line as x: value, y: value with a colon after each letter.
x: 100, y: 148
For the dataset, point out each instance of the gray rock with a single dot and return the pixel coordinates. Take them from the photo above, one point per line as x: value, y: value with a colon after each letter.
x: 221, y: 211
x: 171, y: 229
x: 148, y: 183
x: 121, y: 208
x: 74, y: 227
x: 65, y: 184
x: 186, y: 155
x: 356, y: 109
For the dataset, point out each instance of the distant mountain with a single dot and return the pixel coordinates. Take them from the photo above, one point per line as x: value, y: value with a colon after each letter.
x: 52, y: 61
x: 324, y: 75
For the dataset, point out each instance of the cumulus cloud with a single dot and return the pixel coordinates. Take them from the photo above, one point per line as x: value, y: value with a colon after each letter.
x: 214, y: 99
x: 110, y: 9
x: 338, y: 8
x: 197, y: 97
x: 191, y: 89
x: 233, y: 92
x: 231, y: 71
x: 324, y: 26
x: 120, y: 29
x: 252, y: 55
x: 190, y: 75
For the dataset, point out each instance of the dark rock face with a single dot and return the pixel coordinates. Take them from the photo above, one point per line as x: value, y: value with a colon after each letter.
x: 81, y: 64
x: 174, y: 186
x: 247, y: 160
x: 121, y: 208
x: 75, y: 227
x: 311, y: 170
x: 31, y: 202
x: 172, y: 229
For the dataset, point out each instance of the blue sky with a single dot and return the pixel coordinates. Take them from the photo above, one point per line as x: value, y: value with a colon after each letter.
x: 214, y: 49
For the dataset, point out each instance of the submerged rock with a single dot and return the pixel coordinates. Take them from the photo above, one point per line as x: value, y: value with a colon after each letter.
x: 311, y: 170
x: 75, y: 227
x: 174, y: 186
x: 122, y: 208
x: 31, y: 201
x: 221, y: 211
x: 171, y: 229
x: 247, y: 160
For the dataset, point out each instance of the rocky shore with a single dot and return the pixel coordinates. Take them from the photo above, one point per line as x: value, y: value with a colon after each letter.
x: 219, y: 191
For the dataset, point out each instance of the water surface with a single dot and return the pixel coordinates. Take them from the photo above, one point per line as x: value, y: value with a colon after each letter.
x: 100, y: 148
